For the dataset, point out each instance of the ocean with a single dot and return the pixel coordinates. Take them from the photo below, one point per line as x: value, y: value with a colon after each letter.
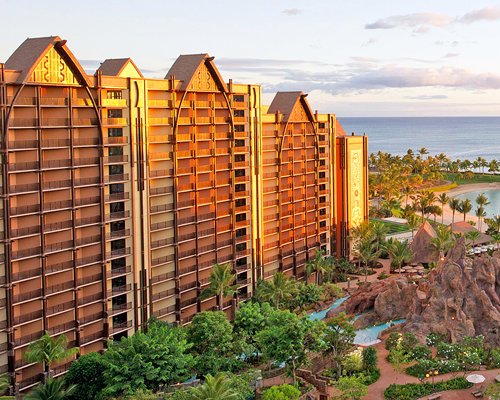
x: 457, y: 137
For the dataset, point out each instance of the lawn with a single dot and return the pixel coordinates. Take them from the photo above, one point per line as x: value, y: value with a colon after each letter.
x: 393, y: 227
x: 478, y: 178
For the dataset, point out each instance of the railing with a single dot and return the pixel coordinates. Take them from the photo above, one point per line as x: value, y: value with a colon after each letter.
x: 121, y: 326
x: 60, y: 307
x: 163, y: 277
x: 92, y: 337
x: 28, y: 317
x: 163, y: 294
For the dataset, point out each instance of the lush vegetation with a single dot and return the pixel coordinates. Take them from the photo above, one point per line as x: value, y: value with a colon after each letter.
x: 467, y: 355
x: 412, y: 391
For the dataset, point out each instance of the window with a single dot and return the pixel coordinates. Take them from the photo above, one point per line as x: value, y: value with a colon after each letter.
x: 239, y: 172
x: 239, y: 98
x: 322, y: 187
x: 117, y: 226
x: 323, y: 248
x: 119, y: 300
x: 239, y: 157
x: 322, y: 237
x: 322, y: 162
x: 115, y: 132
x: 240, y: 187
x: 241, y: 217
x: 114, y: 94
x: 321, y: 125
x: 241, y: 202
x: 116, y: 169
x: 241, y: 246
x: 322, y: 174
x: 116, y: 188
x: 239, y: 128
x: 118, y: 263
x: 241, y: 262
x: 322, y: 224
x: 322, y: 138
x: 241, y: 232
x: 322, y: 199
x: 115, y: 113
x: 117, y: 207
x: 239, y: 113
x: 322, y: 211
x: 118, y: 282
x: 118, y: 244
x: 322, y: 150
x: 115, y: 151
x: 239, y: 143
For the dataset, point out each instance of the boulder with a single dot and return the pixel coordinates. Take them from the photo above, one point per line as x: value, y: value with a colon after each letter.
x: 460, y: 297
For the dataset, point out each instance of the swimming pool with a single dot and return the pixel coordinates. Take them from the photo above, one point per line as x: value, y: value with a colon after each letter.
x: 322, y: 314
x: 369, y: 336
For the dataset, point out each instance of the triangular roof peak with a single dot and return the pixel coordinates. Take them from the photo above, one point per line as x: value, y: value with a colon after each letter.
x: 293, y: 106
x: 28, y: 57
x: 197, y: 72
x: 122, y: 67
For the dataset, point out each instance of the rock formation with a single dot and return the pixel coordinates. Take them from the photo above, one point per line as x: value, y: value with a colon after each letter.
x: 461, y: 297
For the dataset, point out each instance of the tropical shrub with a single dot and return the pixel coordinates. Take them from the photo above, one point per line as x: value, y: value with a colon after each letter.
x: 413, y: 391
x: 353, y: 362
x: 421, y: 352
x: 87, y: 373
x: 281, y: 392
x: 369, y: 359
x: 433, y: 339
x: 352, y: 388
x: 331, y: 291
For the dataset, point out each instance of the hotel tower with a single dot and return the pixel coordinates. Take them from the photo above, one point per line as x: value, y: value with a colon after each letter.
x: 120, y: 193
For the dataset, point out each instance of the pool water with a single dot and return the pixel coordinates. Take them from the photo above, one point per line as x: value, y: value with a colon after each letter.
x: 493, y: 196
x: 364, y: 337
x: 322, y: 314
x: 369, y: 336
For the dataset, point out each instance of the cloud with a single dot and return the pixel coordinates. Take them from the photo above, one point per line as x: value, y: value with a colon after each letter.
x: 418, y: 20
x: 451, y: 55
x: 423, y: 22
x: 291, y: 11
x: 484, y: 14
x: 428, y: 97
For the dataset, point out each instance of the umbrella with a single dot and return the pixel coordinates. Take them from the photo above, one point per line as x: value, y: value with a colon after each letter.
x: 420, y: 268
x: 411, y: 271
x: 475, y: 378
x: 497, y: 378
x: 399, y: 270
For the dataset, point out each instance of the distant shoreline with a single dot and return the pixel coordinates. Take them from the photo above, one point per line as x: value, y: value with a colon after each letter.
x: 472, y: 187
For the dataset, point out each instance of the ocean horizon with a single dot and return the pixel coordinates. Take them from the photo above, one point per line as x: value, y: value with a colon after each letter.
x: 457, y: 137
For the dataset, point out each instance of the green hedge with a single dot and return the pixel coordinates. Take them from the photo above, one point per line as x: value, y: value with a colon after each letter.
x: 413, y: 391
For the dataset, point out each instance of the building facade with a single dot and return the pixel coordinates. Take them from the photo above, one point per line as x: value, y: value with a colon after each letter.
x: 120, y: 193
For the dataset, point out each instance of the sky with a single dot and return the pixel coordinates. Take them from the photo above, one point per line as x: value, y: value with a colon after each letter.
x: 354, y: 58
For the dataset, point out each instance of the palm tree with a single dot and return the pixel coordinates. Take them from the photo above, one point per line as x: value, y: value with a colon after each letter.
x: 214, y: 388
x: 443, y: 241
x: 464, y: 207
x: 480, y: 214
x: 319, y: 264
x: 493, y: 224
x: 493, y: 167
x: 48, y: 350
x: 399, y: 252
x: 367, y: 252
x: 443, y: 199
x: 53, y: 389
x: 221, y: 279
x: 4, y: 387
x: 379, y: 232
x: 275, y: 291
x: 454, y: 204
x: 473, y: 236
x: 413, y: 222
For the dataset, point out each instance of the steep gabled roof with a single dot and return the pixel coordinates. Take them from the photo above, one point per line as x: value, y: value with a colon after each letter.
x: 114, y: 66
x: 186, y: 65
x: 285, y: 102
x: 420, y: 244
x: 28, y: 55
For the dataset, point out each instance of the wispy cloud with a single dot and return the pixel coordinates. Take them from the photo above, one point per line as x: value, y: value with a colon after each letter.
x: 484, y: 14
x: 423, y: 22
x: 428, y: 97
x: 291, y: 11
x: 411, y: 20
x: 451, y: 55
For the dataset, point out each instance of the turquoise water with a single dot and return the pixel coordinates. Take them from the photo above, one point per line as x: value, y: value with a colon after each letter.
x: 369, y: 336
x: 366, y: 336
x: 458, y: 137
x: 493, y: 196
x: 322, y: 314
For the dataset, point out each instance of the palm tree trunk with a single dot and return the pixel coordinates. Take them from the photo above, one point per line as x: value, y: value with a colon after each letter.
x: 453, y: 216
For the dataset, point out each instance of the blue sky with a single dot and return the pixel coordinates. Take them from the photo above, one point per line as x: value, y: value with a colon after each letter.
x: 354, y: 58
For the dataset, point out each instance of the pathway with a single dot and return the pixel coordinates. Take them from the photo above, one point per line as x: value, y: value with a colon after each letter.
x: 389, y: 375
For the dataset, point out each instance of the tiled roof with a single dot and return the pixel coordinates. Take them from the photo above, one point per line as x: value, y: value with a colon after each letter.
x: 420, y: 244
x: 28, y: 53
x: 284, y: 103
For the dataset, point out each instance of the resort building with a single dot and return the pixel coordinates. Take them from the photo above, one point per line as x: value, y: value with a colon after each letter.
x: 120, y: 193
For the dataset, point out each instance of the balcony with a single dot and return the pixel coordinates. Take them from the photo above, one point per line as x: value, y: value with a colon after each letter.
x: 25, y: 188
x: 19, y: 276
x: 114, y: 103
x: 117, y: 215
x: 90, y: 299
x: 164, y: 311
x: 117, y: 290
x: 163, y: 277
x: 118, y: 253
x: 31, y: 295
x: 27, y: 338
x: 120, y: 271
x: 116, y: 140
x: 91, y: 318
x: 89, y: 279
x: 114, y: 121
x: 121, y: 327
x: 26, y: 253
x: 116, y: 178
x: 119, y: 308
x: 28, y: 317
x: 62, y: 327
x: 60, y: 308
x: 92, y: 337
x: 187, y: 303
x: 164, y: 294
x: 162, y: 260
x: 59, y: 288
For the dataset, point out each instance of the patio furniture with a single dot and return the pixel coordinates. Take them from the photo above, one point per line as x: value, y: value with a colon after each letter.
x: 434, y: 397
x: 475, y: 378
x: 497, y: 378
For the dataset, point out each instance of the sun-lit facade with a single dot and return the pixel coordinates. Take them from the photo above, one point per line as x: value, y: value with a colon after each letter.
x: 119, y: 194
